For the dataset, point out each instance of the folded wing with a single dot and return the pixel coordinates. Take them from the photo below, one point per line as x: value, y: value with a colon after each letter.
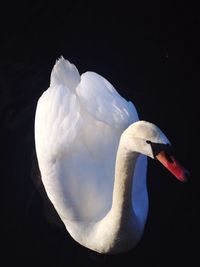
x: 79, y: 121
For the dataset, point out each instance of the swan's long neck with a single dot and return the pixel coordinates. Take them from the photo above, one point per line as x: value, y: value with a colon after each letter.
x: 122, y: 193
x: 120, y: 229
x: 121, y: 223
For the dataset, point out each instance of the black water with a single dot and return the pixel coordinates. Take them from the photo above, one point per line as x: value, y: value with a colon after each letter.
x: 149, y: 53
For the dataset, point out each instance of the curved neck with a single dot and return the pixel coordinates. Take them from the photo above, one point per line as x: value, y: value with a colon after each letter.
x: 121, y: 228
x: 122, y: 192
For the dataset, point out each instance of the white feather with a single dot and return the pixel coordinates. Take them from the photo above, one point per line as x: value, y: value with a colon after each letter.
x: 81, y: 127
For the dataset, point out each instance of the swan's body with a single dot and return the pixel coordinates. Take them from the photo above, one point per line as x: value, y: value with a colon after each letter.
x: 92, y: 151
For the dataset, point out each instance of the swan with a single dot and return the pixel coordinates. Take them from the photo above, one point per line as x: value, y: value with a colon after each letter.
x: 92, y: 153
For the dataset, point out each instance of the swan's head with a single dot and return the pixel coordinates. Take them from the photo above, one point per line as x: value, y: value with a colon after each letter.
x: 146, y: 138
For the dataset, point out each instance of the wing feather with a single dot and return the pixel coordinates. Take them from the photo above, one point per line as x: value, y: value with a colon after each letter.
x: 103, y: 102
x: 77, y: 132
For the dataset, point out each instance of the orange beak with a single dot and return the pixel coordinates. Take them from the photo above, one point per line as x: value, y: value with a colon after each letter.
x: 173, y: 166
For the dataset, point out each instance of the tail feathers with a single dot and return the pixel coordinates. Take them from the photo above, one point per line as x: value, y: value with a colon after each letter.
x: 65, y: 73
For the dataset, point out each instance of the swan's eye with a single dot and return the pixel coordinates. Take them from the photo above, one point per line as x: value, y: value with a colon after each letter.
x: 157, y: 148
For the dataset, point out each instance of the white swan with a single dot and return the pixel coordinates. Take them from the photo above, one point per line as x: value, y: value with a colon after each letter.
x: 92, y: 151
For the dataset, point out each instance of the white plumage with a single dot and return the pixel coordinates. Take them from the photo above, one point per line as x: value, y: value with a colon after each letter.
x: 78, y: 125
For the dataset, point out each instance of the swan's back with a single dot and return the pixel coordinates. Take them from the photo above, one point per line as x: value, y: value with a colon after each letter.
x: 78, y: 124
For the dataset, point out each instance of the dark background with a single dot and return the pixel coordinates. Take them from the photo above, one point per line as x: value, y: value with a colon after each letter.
x: 149, y: 52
